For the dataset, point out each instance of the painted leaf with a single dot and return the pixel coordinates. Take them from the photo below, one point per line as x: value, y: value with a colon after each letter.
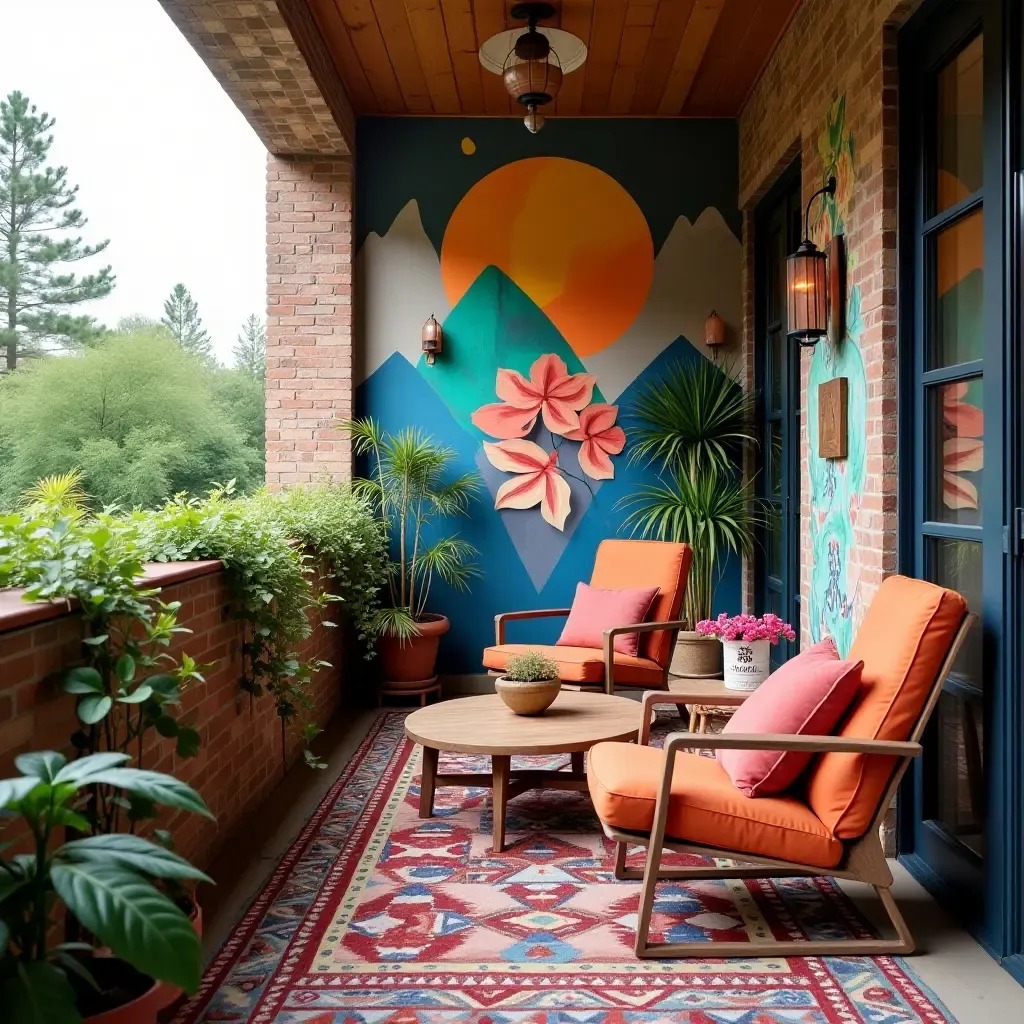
x: 503, y: 420
x: 958, y: 492
x: 963, y: 454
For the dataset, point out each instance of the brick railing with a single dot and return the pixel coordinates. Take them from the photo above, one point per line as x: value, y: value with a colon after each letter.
x: 239, y: 761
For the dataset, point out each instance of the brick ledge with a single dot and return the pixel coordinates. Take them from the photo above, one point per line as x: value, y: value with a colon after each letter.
x: 16, y: 613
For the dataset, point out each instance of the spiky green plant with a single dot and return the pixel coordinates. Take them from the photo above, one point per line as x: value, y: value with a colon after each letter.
x: 530, y: 667
x: 409, y: 488
x: 691, y: 427
x: 59, y: 496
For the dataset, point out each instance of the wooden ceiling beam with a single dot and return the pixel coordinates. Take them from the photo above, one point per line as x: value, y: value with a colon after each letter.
x: 669, y: 25
x: 576, y: 17
x: 364, y: 32
x: 463, y: 51
x: 696, y: 37
x: 489, y: 19
x: 394, y: 27
x: 343, y: 54
x: 636, y: 37
x: 605, y: 37
x: 426, y: 22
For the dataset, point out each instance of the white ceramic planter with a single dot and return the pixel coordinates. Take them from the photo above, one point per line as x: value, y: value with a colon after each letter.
x: 746, y: 664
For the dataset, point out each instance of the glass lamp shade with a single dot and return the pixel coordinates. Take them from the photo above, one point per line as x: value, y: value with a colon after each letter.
x: 431, y: 339
x: 806, y: 292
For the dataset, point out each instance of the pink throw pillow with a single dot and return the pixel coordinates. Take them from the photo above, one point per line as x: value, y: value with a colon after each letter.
x: 593, y: 611
x: 806, y: 696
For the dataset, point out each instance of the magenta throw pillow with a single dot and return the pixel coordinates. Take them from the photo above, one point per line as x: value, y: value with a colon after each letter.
x: 807, y: 696
x: 593, y: 611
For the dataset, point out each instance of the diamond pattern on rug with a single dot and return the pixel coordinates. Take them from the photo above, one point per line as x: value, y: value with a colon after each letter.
x: 376, y: 916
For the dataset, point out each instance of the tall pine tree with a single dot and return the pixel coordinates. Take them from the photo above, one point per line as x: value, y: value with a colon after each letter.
x: 181, y: 318
x: 38, y: 219
x: 250, y: 349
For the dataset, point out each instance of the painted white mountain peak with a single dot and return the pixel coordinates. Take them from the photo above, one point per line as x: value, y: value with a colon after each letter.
x: 398, y: 285
x: 697, y: 270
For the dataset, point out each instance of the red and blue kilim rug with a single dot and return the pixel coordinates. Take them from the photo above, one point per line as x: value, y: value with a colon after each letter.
x: 378, y: 917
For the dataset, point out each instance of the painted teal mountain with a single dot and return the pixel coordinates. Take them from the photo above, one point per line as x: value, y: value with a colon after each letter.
x: 495, y: 325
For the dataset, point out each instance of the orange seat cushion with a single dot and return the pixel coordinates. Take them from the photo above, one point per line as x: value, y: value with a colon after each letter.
x: 705, y: 806
x: 629, y: 564
x: 582, y: 664
x: 903, y: 642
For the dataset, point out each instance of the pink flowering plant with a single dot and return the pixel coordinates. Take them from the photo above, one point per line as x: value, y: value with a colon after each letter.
x: 747, y: 628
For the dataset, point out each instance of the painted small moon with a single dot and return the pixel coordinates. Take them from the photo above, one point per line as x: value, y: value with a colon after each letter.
x: 468, y: 146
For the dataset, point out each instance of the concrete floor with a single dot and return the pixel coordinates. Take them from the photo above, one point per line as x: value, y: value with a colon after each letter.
x: 971, y: 984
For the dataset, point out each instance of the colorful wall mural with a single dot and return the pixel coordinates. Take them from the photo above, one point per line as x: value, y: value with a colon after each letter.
x: 568, y: 270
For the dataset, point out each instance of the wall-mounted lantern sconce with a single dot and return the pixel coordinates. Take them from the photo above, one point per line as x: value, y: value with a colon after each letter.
x: 714, y: 332
x: 431, y: 340
x: 807, y: 284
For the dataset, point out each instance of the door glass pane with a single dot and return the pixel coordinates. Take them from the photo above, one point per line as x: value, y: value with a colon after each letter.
x: 773, y: 538
x: 773, y: 455
x: 959, y: 278
x: 960, y: 776
x: 956, y: 452
x: 956, y: 564
x: 959, y: 128
x: 775, y: 355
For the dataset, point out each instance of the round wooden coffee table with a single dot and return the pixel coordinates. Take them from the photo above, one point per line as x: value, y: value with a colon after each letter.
x: 483, y: 725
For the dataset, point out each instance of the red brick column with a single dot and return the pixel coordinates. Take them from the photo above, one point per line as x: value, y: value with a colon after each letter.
x: 309, y: 318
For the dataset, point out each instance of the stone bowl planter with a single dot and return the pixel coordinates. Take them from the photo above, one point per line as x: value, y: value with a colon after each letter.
x: 532, y: 698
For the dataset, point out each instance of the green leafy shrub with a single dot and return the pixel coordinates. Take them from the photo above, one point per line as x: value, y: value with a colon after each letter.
x: 530, y: 667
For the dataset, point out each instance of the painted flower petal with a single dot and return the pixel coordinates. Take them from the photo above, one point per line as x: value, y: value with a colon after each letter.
x: 598, y: 417
x: 612, y: 440
x: 559, y: 417
x: 515, y: 389
x: 966, y: 419
x: 576, y: 391
x: 514, y: 456
x: 963, y: 454
x: 958, y: 492
x: 546, y: 371
x: 595, y: 462
x: 555, y: 506
x: 503, y: 420
x: 522, y: 491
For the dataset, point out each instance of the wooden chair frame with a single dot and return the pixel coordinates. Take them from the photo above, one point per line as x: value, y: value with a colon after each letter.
x: 608, y: 644
x: 863, y: 859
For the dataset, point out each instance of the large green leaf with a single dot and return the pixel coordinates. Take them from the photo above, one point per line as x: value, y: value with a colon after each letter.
x: 13, y: 790
x: 40, y: 764
x: 125, y: 668
x: 162, y: 789
x: 83, y: 680
x: 79, y: 771
x: 131, y: 852
x: 138, y: 695
x: 139, y: 923
x: 93, y: 707
x: 39, y: 994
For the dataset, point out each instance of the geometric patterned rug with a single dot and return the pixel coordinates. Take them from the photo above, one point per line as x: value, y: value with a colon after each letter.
x: 378, y: 917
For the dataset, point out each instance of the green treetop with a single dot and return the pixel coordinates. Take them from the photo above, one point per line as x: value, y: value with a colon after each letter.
x: 181, y: 318
x: 38, y: 218
x: 250, y: 349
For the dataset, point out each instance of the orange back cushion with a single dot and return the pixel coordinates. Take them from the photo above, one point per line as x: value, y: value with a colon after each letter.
x: 903, y: 642
x: 628, y: 564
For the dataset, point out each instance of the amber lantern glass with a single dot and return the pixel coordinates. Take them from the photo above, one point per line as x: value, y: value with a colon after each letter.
x: 431, y: 340
x: 806, y: 291
x: 714, y: 330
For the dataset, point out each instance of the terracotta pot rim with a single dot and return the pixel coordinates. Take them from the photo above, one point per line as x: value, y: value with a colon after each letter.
x: 432, y: 625
x: 528, y: 682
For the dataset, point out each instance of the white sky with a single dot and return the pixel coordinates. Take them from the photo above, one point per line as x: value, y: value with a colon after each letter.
x: 168, y: 168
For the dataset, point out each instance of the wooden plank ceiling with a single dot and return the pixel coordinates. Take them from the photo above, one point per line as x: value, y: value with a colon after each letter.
x: 696, y: 58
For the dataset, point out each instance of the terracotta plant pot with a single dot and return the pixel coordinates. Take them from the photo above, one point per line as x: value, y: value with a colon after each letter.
x: 532, y: 698
x: 169, y: 993
x: 410, y: 664
x: 696, y: 657
x: 113, y: 974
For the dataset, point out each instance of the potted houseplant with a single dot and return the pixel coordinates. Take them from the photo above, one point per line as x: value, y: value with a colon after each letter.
x: 409, y: 487
x: 691, y: 427
x: 105, y: 884
x: 530, y: 683
x: 746, y: 645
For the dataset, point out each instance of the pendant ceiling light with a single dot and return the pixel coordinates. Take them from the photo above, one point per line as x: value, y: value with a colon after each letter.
x: 533, y: 63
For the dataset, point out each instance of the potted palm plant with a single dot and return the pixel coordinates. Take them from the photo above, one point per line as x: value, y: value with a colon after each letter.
x: 410, y: 488
x: 691, y: 427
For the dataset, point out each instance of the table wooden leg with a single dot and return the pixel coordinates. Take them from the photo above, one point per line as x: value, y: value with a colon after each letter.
x: 576, y: 762
x: 428, y: 778
x: 500, y: 765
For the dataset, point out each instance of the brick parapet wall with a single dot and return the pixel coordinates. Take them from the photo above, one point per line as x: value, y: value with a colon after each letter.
x: 834, y: 48
x: 309, y: 318
x: 239, y: 762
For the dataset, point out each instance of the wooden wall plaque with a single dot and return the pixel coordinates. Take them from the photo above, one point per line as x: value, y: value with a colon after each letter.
x: 832, y: 419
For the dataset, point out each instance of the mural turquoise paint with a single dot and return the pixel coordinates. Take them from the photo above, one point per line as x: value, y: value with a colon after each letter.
x: 601, y: 243
x: 837, y: 486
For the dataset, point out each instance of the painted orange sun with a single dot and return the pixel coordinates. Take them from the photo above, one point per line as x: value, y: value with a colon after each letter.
x: 566, y: 233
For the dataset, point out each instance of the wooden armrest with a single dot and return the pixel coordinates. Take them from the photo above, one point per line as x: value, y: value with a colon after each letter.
x: 647, y: 702
x: 609, y: 636
x: 779, y: 741
x: 539, y: 613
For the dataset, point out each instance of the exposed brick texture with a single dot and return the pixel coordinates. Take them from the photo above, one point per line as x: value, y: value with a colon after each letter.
x: 831, y: 48
x: 309, y: 318
x: 239, y: 762
x: 270, y: 59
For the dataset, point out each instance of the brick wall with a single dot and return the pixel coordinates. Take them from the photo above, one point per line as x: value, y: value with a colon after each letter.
x: 309, y: 317
x: 834, y: 48
x: 239, y: 762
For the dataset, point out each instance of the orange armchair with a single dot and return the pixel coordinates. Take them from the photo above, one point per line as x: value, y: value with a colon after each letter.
x: 828, y: 823
x: 619, y: 565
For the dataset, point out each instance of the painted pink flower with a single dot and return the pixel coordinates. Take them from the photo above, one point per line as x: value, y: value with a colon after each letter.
x: 963, y: 451
x: 537, y: 480
x: 551, y: 392
x: 601, y: 438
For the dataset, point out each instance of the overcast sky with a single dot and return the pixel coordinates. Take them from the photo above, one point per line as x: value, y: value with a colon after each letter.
x: 168, y: 168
